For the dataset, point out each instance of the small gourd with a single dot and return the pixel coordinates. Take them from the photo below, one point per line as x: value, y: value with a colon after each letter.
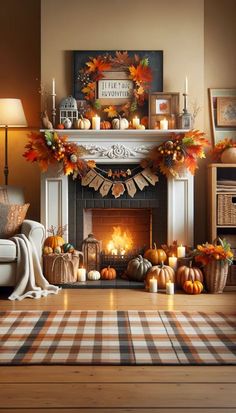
x: 192, y: 287
x: 155, y: 255
x: 67, y: 247
x: 93, y: 275
x: 67, y: 123
x: 138, y: 268
x: 108, y: 273
x: 105, y: 124
x: 57, y: 250
x: 120, y: 123
x: 47, y: 250
x: 83, y: 123
x: 162, y: 273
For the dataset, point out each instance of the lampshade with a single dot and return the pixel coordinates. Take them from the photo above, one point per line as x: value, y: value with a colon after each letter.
x: 12, y: 113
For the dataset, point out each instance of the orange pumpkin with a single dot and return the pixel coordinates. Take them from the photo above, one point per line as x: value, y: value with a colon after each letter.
x: 162, y: 273
x: 108, y: 273
x: 192, y: 287
x: 54, y: 241
x: 155, y: 255
x: 105, y: 124
x: 185, y: 273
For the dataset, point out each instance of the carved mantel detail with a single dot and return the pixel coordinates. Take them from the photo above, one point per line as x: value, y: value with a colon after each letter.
x: 117, y: 151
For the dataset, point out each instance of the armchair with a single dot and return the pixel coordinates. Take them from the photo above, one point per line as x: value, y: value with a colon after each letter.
x: 33, y: 230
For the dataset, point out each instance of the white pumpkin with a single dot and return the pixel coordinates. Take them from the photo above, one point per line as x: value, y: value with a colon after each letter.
x: 121, y: 123
x: 83, y: 123
x: 94, y: 275
x: 67, y: 123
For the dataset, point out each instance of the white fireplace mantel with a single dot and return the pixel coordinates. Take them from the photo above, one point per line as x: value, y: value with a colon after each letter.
x: 120, y: 146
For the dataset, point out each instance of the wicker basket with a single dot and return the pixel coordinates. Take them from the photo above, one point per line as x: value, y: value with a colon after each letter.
x: 215, y: 273
x: 61, y: 268
x: 226, y: 211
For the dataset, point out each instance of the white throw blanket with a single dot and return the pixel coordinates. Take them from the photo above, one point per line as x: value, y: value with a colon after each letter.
x: 30, y: 281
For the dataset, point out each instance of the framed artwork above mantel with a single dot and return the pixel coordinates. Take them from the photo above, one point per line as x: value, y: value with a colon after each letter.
x: 116, y: 83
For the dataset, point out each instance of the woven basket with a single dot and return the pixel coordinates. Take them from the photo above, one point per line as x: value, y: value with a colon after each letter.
x: 61, y: 268
x: 215, y: 273
x: 226, y: 211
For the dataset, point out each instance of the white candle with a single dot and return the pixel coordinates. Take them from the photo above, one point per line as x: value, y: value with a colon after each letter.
x: 136, y: 122
x: 96, y: 122
x: 170, y: 288
x: 173, y: 262
x: 53, y: 86
x: 153, y: 285
x: 81, y: 274
x: 164, y: 124
x: 181, y: 251
x: 186, y: 85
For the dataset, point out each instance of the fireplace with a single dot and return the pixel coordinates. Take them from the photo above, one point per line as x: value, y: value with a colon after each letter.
x: 143, y: 217
x: 166, y: 208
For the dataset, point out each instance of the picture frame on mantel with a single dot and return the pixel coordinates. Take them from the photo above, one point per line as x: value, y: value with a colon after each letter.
x: 163, y: 110
x: 222, y: 103
x: 117, y: 83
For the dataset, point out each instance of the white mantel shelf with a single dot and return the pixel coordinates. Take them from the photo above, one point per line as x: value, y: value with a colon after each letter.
x: 116, y: 147
x: 129, y: 145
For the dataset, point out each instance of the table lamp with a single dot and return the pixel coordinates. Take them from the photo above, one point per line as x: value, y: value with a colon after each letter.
x: 11, y: 115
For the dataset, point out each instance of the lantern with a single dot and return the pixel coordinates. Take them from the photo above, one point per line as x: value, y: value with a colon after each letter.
x: 91, y: 251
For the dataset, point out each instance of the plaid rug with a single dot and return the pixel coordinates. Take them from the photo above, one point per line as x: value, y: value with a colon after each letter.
x: 117, y: 338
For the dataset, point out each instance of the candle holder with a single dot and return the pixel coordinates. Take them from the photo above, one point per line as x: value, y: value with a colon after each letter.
x: 54, y: 109
x: 185, y: 119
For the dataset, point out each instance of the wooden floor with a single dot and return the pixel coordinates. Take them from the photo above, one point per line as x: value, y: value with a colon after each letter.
x: 110, y: 389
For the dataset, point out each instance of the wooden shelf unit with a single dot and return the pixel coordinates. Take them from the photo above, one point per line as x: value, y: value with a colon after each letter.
x: 216, y: 172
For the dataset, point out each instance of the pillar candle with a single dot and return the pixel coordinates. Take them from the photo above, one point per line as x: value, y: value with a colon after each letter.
x: 136, y: 122
x: 96, y: 122
x: 153, y: 285
x: 81, y: 274
x: 181, y: 251
x: 170, y: 288
x: 164, y: 124
x: 173, y: 262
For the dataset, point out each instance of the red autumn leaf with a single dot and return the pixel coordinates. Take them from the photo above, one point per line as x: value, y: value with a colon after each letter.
x: 140, y: 73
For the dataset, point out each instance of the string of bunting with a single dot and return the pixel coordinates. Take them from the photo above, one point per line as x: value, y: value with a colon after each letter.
x: 95, y: 180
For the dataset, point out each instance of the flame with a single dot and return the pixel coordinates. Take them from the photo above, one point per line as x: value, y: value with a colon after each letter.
x: 120, y: 242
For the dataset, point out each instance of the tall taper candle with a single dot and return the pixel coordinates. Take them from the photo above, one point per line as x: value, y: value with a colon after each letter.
x: 53, y: 102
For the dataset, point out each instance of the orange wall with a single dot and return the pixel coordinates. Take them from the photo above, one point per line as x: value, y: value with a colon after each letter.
x: 19, y: 78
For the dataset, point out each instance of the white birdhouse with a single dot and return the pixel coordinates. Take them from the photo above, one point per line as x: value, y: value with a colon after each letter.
x: 68, y: 109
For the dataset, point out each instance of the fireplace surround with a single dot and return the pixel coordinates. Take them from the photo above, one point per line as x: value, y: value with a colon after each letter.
x: 60, y: 196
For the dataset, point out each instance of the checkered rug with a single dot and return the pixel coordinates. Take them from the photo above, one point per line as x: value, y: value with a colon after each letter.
x: 117, y: 338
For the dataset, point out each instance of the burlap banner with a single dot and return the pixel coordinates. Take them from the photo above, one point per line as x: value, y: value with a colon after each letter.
x: 95, y: 180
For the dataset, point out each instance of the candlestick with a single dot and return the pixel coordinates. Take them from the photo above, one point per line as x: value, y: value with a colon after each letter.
x: 136, y: 122
x: 170, y: 288
x: 96, y: 122
x: 173, y: 262
x: 164, y: 124
x: 53, y: 102
x: 81, y: 274
x: 181, y: 251
x: 153, y: 285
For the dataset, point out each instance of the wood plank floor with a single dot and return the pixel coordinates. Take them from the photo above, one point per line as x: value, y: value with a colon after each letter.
x: 151, y: 389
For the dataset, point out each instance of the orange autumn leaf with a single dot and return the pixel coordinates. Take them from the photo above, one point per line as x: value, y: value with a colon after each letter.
x: 91, y: 164
x: 111, y: 111
x: 118, y: 189
x: 98, y: 64
x: 140, y: 73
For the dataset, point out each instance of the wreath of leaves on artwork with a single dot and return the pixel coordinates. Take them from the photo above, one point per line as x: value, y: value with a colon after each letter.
x: 138, y: 71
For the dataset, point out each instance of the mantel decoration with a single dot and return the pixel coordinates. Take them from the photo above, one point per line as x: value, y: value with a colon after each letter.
x: 177, y: 154
x: 114, y: 84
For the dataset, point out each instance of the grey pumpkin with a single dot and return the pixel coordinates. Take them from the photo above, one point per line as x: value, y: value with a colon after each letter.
x: 138, y: 268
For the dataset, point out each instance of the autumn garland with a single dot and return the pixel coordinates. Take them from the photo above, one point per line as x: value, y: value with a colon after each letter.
x: 138, y: 71
x: 50, y: 149
x: 179, y: 153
